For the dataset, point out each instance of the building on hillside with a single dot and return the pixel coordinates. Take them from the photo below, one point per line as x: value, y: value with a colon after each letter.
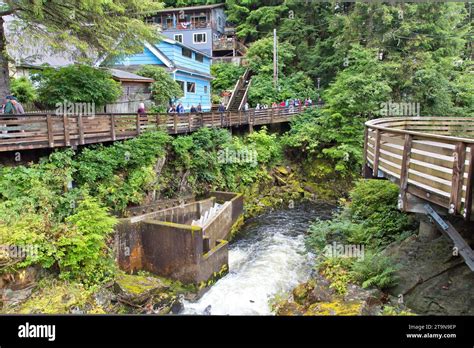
x: 136, y: 89
x: 189, y: 67
x: 203, y: 28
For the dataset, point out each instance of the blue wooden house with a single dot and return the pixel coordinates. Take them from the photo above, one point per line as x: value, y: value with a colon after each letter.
x: 190, y: 68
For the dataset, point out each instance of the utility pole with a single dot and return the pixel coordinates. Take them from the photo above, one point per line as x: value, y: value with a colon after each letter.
x: 275, y: 58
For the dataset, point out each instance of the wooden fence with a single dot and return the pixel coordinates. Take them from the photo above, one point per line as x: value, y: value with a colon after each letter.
x: 35, y: 131
x: 430, y: 157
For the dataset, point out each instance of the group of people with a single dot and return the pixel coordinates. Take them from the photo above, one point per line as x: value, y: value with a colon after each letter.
x: 179, y: 109
x: 289, y: 103
x: 11, y: 106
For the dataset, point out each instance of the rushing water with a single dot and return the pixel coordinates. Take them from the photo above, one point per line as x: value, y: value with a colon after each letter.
x: 267, y: 258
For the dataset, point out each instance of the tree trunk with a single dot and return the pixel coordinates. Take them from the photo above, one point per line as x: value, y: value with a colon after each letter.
x: 4, y: 71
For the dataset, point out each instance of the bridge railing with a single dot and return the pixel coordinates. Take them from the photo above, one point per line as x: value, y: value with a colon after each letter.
x: 34, y: 131
x: 430, y: 157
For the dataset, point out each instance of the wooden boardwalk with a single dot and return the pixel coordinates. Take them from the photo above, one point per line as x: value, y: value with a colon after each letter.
x: 38, y: 131
x: 431, y: 158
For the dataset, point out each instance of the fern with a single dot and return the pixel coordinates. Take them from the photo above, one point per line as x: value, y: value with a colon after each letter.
x: 375, y: 270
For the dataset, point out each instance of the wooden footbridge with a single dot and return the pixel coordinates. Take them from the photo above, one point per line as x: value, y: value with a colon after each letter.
x: 39, y: 131
x: 432, y: 160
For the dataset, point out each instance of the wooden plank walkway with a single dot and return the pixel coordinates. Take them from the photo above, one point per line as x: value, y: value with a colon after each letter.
x: 37, y: 131
x: 429, y: 157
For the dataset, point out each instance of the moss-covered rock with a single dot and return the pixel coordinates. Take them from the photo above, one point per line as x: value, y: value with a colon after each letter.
x: 336, y: 307
x: 137, y: 289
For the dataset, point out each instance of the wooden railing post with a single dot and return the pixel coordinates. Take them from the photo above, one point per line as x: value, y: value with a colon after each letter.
x: 157, y: 121
x: 138, y: 124
x: 67, y: 138
x: 175, y: 121
x: 189, y: 122
x: 112, y: 127
x: 469, y: 185
x: 375, y: 169
x: 365, y: 162
x: 405, y: 170
x: 49, y: 123
x: 212, y: 119
x: 80, y: 124
x: 458, y: 178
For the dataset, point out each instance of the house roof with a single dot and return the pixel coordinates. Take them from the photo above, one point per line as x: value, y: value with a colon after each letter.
x: 126, y: 76
x: 201, y: 7
x: 192, y: 72
x: 173, y: 42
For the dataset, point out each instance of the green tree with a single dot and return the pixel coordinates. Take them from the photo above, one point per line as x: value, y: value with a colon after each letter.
x: 101, y: 26
x: 77, y: 83
x: 260, y: 56
x: 164, y: 88
x: 23, y: 89
x: 225, y: 76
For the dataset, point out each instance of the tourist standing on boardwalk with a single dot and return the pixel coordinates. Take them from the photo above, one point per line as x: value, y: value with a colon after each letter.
x: 221, y: 110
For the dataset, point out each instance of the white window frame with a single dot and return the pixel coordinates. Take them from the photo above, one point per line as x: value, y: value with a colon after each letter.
x: 182, y: 38
x: 195, y: 86
x: 198, y: 54
x: 200, y: 43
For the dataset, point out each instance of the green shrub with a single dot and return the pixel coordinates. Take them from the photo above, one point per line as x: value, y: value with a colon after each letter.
x: 23, y: 90
x: 337, y: 271
x: 82, y: 250
x: 225, y: 76
x: 164, y: 88
x: 374, y: 270
x: 373, y: 196
x: 371, y: 218
x: 77, y: 84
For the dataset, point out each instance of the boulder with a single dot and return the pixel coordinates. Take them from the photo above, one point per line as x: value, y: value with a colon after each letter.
x: 136, y: 289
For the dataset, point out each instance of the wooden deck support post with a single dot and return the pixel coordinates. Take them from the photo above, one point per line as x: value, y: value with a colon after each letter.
x: 49, y: 123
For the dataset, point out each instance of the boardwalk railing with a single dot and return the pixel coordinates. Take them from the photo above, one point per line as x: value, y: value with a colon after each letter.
x: 430, y: 157
x: 35, y: 131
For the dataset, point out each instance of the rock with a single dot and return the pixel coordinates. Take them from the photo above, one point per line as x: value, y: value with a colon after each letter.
x: 320, y: 293
x: 282, y: 170
x: 301, y: 292
x: 137, y: 289
x: 22, y: 279
x: 177, y: 306
x: 13, y: 297
x: 336, y: 307
x: 431, y: 280
x: 104, y: 297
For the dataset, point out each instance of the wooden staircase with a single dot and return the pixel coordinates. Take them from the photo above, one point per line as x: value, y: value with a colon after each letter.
x: 240, y: 92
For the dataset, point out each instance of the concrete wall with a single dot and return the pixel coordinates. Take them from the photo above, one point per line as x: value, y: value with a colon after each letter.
x: 164, y: 242
x: 172, y: 250
x: 220, y: 225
